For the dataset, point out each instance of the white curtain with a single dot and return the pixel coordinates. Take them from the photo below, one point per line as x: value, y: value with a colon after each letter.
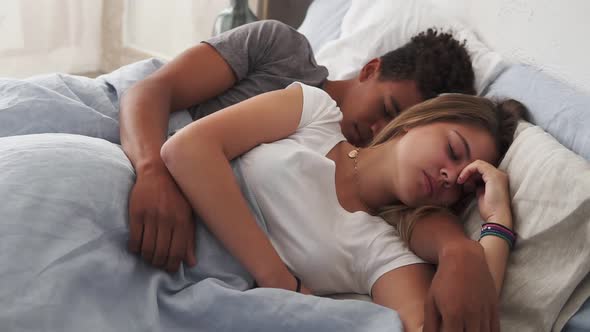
x: 165, y: 28
x: 41, y: 36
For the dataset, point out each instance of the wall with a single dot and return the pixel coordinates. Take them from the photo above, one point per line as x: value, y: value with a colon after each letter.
x: 139, y: 29
x: 114, y: 52
x: 158, y: 28
x: 548, y: 34
x: 39, y: 37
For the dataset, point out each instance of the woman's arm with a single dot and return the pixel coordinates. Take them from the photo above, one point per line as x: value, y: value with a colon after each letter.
x: 496, y: 251
x: 198, y: 158
x: 493, y: 201
x: 404, y: 290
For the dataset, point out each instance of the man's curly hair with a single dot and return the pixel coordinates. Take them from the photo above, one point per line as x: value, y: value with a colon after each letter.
x: 437, y: 62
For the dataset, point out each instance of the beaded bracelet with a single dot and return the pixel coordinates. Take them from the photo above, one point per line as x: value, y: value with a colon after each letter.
x: 501, y: 231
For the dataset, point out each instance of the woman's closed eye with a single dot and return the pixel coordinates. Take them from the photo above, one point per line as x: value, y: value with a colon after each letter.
x: 452, y: 153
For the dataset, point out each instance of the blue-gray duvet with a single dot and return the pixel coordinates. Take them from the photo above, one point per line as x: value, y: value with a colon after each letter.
x: 64, y: 266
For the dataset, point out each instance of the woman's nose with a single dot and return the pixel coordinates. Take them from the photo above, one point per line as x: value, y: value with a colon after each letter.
x: 449, y: 176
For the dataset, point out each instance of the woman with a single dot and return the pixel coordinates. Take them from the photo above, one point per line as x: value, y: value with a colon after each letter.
x: 269, y: 55
x: 320, y: 195
x: 256, y: 58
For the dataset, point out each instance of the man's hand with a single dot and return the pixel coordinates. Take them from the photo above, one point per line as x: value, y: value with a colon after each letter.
x: 160, y: 222
x: 462, y: 296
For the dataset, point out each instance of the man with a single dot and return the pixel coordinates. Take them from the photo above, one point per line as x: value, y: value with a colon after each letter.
x: 269, y: 55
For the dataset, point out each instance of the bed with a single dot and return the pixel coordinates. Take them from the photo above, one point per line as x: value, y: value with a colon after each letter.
x: 65, y: 182
x: 548, y: 163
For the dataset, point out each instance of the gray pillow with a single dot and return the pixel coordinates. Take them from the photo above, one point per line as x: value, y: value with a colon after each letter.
x: 556, y: 107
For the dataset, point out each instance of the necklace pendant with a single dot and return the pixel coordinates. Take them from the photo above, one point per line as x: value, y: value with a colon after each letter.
x: 352, y: 154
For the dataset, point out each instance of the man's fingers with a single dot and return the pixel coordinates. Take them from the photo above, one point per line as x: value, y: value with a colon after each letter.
x: 452, y: 324
x: 486, y: 323
x: 148, y: 241
x: 190, y: 257
x: 135, y: 232
x: 431, y: 316
x: 473, y: 323
x: 177, y: 249
x: 163, y: 236
x: 495, y: 320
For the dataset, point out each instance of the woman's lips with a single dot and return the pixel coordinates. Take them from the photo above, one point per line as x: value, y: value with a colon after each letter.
x: 427, y: 184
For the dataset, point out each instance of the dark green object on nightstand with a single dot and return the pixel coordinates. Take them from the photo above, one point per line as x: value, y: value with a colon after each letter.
x: 237, y: 14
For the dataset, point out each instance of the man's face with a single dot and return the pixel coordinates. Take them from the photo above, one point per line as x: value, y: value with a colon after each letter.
x: 372, y: 104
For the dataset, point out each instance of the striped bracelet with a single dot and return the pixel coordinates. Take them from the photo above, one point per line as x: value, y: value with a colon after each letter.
x: 498, y: 230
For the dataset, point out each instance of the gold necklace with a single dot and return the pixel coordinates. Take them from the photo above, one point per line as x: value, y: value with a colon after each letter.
x: 353, y: 154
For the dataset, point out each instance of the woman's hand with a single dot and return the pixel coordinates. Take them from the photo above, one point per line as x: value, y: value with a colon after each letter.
x: 305, y: 290
x: 493, y: 196
x: 285, y: 281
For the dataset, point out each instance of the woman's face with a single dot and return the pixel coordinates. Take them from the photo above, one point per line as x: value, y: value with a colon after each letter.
x: 431, y: 157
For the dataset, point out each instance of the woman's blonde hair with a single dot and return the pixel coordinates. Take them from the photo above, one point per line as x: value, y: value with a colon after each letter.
x: 499, y: 119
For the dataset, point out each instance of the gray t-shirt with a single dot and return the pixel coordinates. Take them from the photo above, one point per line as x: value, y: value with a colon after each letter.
x: 265, y: 56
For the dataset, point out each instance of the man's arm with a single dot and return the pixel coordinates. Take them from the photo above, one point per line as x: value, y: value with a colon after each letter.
x: 462, y: 294
x: 196, y: 75
x: 158, y: 210
x: 160, y: 217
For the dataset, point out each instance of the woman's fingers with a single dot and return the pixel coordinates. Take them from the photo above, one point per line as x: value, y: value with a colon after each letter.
x: 477, y: 167
x: 305, y: 290
x: 432, y: 318
x: 479, y: 192
x: 493, y: 197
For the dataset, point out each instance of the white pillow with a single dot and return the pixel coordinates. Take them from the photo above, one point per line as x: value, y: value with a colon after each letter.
x: 550, y: 189
x: 373, y: 28
x: 323, y: 21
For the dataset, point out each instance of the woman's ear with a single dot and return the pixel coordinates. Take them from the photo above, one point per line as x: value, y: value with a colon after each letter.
x: 371, y: 69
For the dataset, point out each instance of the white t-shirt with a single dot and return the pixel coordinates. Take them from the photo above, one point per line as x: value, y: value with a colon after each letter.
x: 293, y: 182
